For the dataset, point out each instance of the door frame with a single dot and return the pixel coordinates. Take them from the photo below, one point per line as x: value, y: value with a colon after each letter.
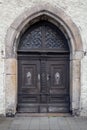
x: 62, y: 21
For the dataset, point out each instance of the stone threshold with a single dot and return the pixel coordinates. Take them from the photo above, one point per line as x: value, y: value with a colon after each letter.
x: 43, y: 115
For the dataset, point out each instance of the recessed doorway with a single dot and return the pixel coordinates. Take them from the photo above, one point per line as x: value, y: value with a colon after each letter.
x: 43, y: 70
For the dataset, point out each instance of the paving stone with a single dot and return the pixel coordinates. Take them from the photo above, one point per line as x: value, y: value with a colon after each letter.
x: 43, y: 123
x: 21, y: 124
x: 63, y: 123
x: 34, y: 125
x: 53, y: 123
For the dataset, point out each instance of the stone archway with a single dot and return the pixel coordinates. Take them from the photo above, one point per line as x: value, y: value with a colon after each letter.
x: 66, y: 25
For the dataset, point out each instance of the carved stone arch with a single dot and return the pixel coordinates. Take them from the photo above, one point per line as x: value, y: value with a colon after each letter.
x: 56, y: 16
x: 49, y: 13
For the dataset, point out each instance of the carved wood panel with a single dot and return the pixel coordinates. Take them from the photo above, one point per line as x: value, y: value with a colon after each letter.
x: 58, y: 84
x: 28, y: 90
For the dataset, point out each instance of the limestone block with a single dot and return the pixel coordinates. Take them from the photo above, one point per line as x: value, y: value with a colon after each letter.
x: 1, y: 66
x: 11, y: 66
x: 83, y: 98
x: 78, y: 55
x: 2, y: 95
x: 75, y: 86
x: 76, y: 69
x: 11, y: 92
x: 11, y: 34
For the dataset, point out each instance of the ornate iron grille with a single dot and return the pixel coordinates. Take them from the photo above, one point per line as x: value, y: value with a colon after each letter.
x: 43, y: 35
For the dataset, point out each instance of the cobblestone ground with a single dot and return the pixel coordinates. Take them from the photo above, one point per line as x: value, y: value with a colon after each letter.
x: 43, y: 123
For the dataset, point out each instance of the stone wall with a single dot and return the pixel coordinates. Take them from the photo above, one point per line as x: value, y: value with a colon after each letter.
x: 9, y: 11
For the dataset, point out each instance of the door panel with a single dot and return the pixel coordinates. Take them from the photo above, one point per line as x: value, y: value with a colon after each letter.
x: 28, y: 93
x: 58, y: 84
x: 58, y: 76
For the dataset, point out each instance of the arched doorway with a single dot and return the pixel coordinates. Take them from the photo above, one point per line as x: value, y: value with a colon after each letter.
x: 66, y: 25
x: 43, y: 70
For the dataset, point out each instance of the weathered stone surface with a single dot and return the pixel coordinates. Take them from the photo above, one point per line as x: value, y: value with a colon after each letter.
x: 43, y: 123
x: 11, y: 66
x: 10, y: 39
x: 11, y: 93
x: 75, y: 86
x: 11, y: 85
x: 1, y: 66
x: 83, y: 98
x: 2, y: 94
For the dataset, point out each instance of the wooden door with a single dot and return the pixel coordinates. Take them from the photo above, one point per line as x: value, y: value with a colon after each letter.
x: 58, y: 85
x: 43, y: 84
x: 43, y: 69
x: 29, y: 86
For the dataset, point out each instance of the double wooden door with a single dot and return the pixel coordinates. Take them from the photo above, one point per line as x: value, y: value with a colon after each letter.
x: 43, y: 83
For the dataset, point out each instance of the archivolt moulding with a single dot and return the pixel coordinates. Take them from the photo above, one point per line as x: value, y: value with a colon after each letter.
x: 43, y: 12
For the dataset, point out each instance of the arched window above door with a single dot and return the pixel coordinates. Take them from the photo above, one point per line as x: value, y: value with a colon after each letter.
x: 43, y: 36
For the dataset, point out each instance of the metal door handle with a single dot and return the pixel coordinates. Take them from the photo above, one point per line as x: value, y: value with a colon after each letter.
x: 48, y: 77
x: 38, y: 76
x: 38, y: 82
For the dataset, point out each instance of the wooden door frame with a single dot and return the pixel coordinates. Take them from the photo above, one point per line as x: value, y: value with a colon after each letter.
x: 66, y: 25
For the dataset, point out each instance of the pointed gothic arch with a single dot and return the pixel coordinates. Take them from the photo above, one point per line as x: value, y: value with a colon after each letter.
x: 71, y: 32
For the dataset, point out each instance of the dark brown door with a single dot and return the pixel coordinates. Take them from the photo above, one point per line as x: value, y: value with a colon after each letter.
x: 58, y: 84
x: 43, y: 69
x: 43, y: 84
x: 29, y: 86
